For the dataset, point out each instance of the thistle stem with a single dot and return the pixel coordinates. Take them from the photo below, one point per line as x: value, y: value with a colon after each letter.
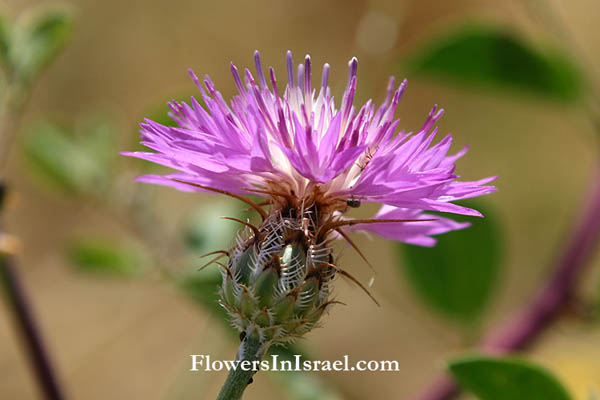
x: 557, y: 290
x: 252, y: 350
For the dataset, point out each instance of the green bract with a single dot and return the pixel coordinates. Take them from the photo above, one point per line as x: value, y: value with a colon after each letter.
x: 277, y: 282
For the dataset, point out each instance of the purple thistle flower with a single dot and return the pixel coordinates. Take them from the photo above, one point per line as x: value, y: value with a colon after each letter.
x: 301, y: 152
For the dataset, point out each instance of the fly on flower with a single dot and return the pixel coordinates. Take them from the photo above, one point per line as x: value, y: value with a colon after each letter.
x: 311, y: 159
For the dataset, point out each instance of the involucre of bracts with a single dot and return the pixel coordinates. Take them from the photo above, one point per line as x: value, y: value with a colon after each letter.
x: 278, y: 284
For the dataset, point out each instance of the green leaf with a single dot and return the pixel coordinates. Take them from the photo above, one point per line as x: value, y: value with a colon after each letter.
x: 96, y: 136
x: 202, y: 287
x: 5, y: 39
x: 305, y: 386
x: 78, y: 163
x: 490, y: 57
x: 300, y: 385
x: 458, y: 275
x: 204, y: 230
x: 506, y: 379
x: 107, y: 257
x: 39, y: 37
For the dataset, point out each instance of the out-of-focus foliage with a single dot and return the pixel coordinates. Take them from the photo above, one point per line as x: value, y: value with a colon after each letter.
x: 159, y: 113
x: 302, y: 385
x: 106, y: 257
x: 506, y: 379
x: 79, y: 163
x: 493, y: 58
x: 4, y: 38
x: 456, y: 278
x: 32, y: 42
x: 458, y: 275
x: 204, y: 231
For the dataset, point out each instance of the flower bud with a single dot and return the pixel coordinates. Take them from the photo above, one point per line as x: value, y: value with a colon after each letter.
x: 277, y: 282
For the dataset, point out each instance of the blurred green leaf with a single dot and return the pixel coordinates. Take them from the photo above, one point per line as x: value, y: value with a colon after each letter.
x: 204, y: 231
x: 202, y: 287
x: 506, y: 379
x: 493, y: 58
x: 160, y: 113
x: 76, y: 162
x: 458, y: 275
x: 107, y: 257
x: 39, y: 37
x: 305, y: 385
x: 5, y: 32
x: 97, y: 138
x: 591, y: 310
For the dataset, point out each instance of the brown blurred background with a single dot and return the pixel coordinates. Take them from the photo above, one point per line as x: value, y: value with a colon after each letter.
x: 131, y: 339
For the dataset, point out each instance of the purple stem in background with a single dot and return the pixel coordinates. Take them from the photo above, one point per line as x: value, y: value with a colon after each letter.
x: 30, y: 333
x: 528, y: 324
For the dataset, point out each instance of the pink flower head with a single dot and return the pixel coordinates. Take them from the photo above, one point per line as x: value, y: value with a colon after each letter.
x: 303, y: 153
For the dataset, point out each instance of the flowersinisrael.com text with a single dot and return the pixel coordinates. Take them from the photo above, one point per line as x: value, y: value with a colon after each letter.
x: 204, y: 363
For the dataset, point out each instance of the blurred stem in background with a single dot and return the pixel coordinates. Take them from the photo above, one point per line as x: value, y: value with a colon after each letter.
x: 26, y: 47
x: 15, y: 291
x: 31, y: 336
x: 557, y: 290
x: 13, y: 104
x: 568, y: 265
x: 36, y: 40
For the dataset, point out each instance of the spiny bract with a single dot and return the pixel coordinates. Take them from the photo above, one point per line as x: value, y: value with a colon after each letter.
x: 277, y: 284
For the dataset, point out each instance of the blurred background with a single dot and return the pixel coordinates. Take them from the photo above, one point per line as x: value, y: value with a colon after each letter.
x: 127, y: 333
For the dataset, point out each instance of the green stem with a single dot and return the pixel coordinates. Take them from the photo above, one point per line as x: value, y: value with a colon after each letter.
x: 252, y: 350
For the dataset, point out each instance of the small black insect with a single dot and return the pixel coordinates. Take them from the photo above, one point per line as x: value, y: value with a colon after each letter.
x: 354, y: 203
